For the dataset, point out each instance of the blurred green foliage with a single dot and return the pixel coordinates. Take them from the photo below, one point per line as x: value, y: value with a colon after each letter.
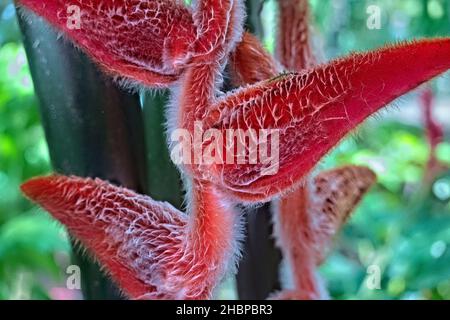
x: 402, y: 227
x: 32, y: 245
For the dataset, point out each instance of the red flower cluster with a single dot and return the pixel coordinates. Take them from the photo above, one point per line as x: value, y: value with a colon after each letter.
x: 151, y: 249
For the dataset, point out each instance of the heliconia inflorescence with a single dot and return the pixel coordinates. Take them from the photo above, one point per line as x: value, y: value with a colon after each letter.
x: 314, y: 109
x: 146, y: 41
x: 153, y: 250
x: 250, y: 62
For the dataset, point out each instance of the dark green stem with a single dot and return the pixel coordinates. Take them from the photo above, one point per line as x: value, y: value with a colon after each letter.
x: 258, y: 274
x: 164, y: 182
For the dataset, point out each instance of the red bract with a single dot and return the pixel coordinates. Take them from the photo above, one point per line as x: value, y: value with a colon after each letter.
x: 153, y: 250
x: 334, y: 195
x: 146, y: 41
x: 150, y: 248
x: 219, y: 27
x: 294, y: 48
x: 250, y: 62
x: 313, y: 110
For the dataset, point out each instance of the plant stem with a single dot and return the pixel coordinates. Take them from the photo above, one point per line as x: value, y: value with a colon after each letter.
x: 258, y: 274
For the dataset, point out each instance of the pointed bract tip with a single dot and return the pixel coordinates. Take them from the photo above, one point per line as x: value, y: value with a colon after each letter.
x: 37, y: 188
